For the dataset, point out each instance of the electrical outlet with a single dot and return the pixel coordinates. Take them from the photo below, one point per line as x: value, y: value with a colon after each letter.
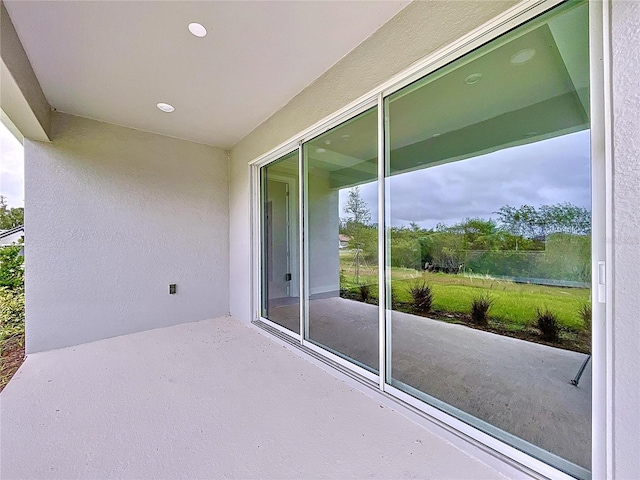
x: 172, y: 288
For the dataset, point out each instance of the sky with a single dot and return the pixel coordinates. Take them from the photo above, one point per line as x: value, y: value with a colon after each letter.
x: 546, y: 172
x: 11, y: 168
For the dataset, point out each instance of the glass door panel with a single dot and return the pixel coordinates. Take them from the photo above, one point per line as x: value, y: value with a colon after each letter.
x: 489, y: 235
x: 280, y: 295
x: 341, y: 240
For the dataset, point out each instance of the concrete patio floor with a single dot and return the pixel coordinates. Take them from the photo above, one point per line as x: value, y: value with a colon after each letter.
x: 520, y: 387
x: 213, y: 399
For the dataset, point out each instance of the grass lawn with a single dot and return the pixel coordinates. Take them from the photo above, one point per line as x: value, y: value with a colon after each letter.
x: 514, y: 304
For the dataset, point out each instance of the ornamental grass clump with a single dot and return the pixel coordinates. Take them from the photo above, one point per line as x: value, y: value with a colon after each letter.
x: 548, y: 325
x: 480, y: 310
x: 421, y: 297
x: 365, y: 292
x: 585, y: 314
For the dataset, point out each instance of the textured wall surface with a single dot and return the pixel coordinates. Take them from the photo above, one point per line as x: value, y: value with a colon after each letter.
x: 416, y: 31
x: 626, y: 205
x: 114, y: 215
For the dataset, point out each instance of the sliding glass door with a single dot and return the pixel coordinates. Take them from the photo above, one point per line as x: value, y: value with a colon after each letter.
x: 280, y: 292
x: 489, y: 235
x: 481, y: 232
x: 342, y: 240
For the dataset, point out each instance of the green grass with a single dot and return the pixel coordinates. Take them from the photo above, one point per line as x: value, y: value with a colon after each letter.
x: 514, y: 304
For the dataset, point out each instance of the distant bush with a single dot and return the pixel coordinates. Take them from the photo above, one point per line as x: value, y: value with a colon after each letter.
x: 585, y: 314
x: 548, y: 325
x: 480, y: 310
x: 405, y: 251
x: 421, y: 296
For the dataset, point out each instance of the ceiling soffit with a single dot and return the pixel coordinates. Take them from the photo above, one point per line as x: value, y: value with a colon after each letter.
x: 114, y: 61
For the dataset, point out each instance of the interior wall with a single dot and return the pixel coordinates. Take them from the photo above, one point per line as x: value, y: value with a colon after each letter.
x: 626, y: 237
x: 114, y: 216
x: 419, y: 29
x: 323, y: 241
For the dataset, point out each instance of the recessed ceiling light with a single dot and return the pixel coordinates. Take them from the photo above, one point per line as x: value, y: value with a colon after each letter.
x: 320, y: 150
x: 327, y: 142
x: 436, y: 135
x: 197, y: 29
x: 165, y: 107
x: 344, y: 137
x: 473, y: 78
x: 522, y: 56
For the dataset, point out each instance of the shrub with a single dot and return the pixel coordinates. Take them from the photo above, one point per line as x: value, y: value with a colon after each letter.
x: 11, y: 267
x: 585, y: 314
x: 548, y: 325
x: 11, y: 312
x: 365, y: 292
x: 480, y: 310
x: 422, y: 297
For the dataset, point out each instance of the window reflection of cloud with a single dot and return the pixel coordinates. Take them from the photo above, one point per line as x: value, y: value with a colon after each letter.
x: 547, y: 172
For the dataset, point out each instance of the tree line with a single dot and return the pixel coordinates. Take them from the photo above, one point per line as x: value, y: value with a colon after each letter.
x: 10, y: 217
x: 550, y: 241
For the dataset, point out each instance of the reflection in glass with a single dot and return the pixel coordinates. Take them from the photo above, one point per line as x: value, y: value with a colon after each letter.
x: 341, y: 208
x: 489, y: 237
x: 280, y: 272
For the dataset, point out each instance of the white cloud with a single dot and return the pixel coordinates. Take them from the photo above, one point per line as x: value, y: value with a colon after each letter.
x: 547, y: 172
x: 11, y: 168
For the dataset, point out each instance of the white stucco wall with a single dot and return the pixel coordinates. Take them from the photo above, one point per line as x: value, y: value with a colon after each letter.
x: 115, y: 215
x: 626, y: 237
x: 419, y: 29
